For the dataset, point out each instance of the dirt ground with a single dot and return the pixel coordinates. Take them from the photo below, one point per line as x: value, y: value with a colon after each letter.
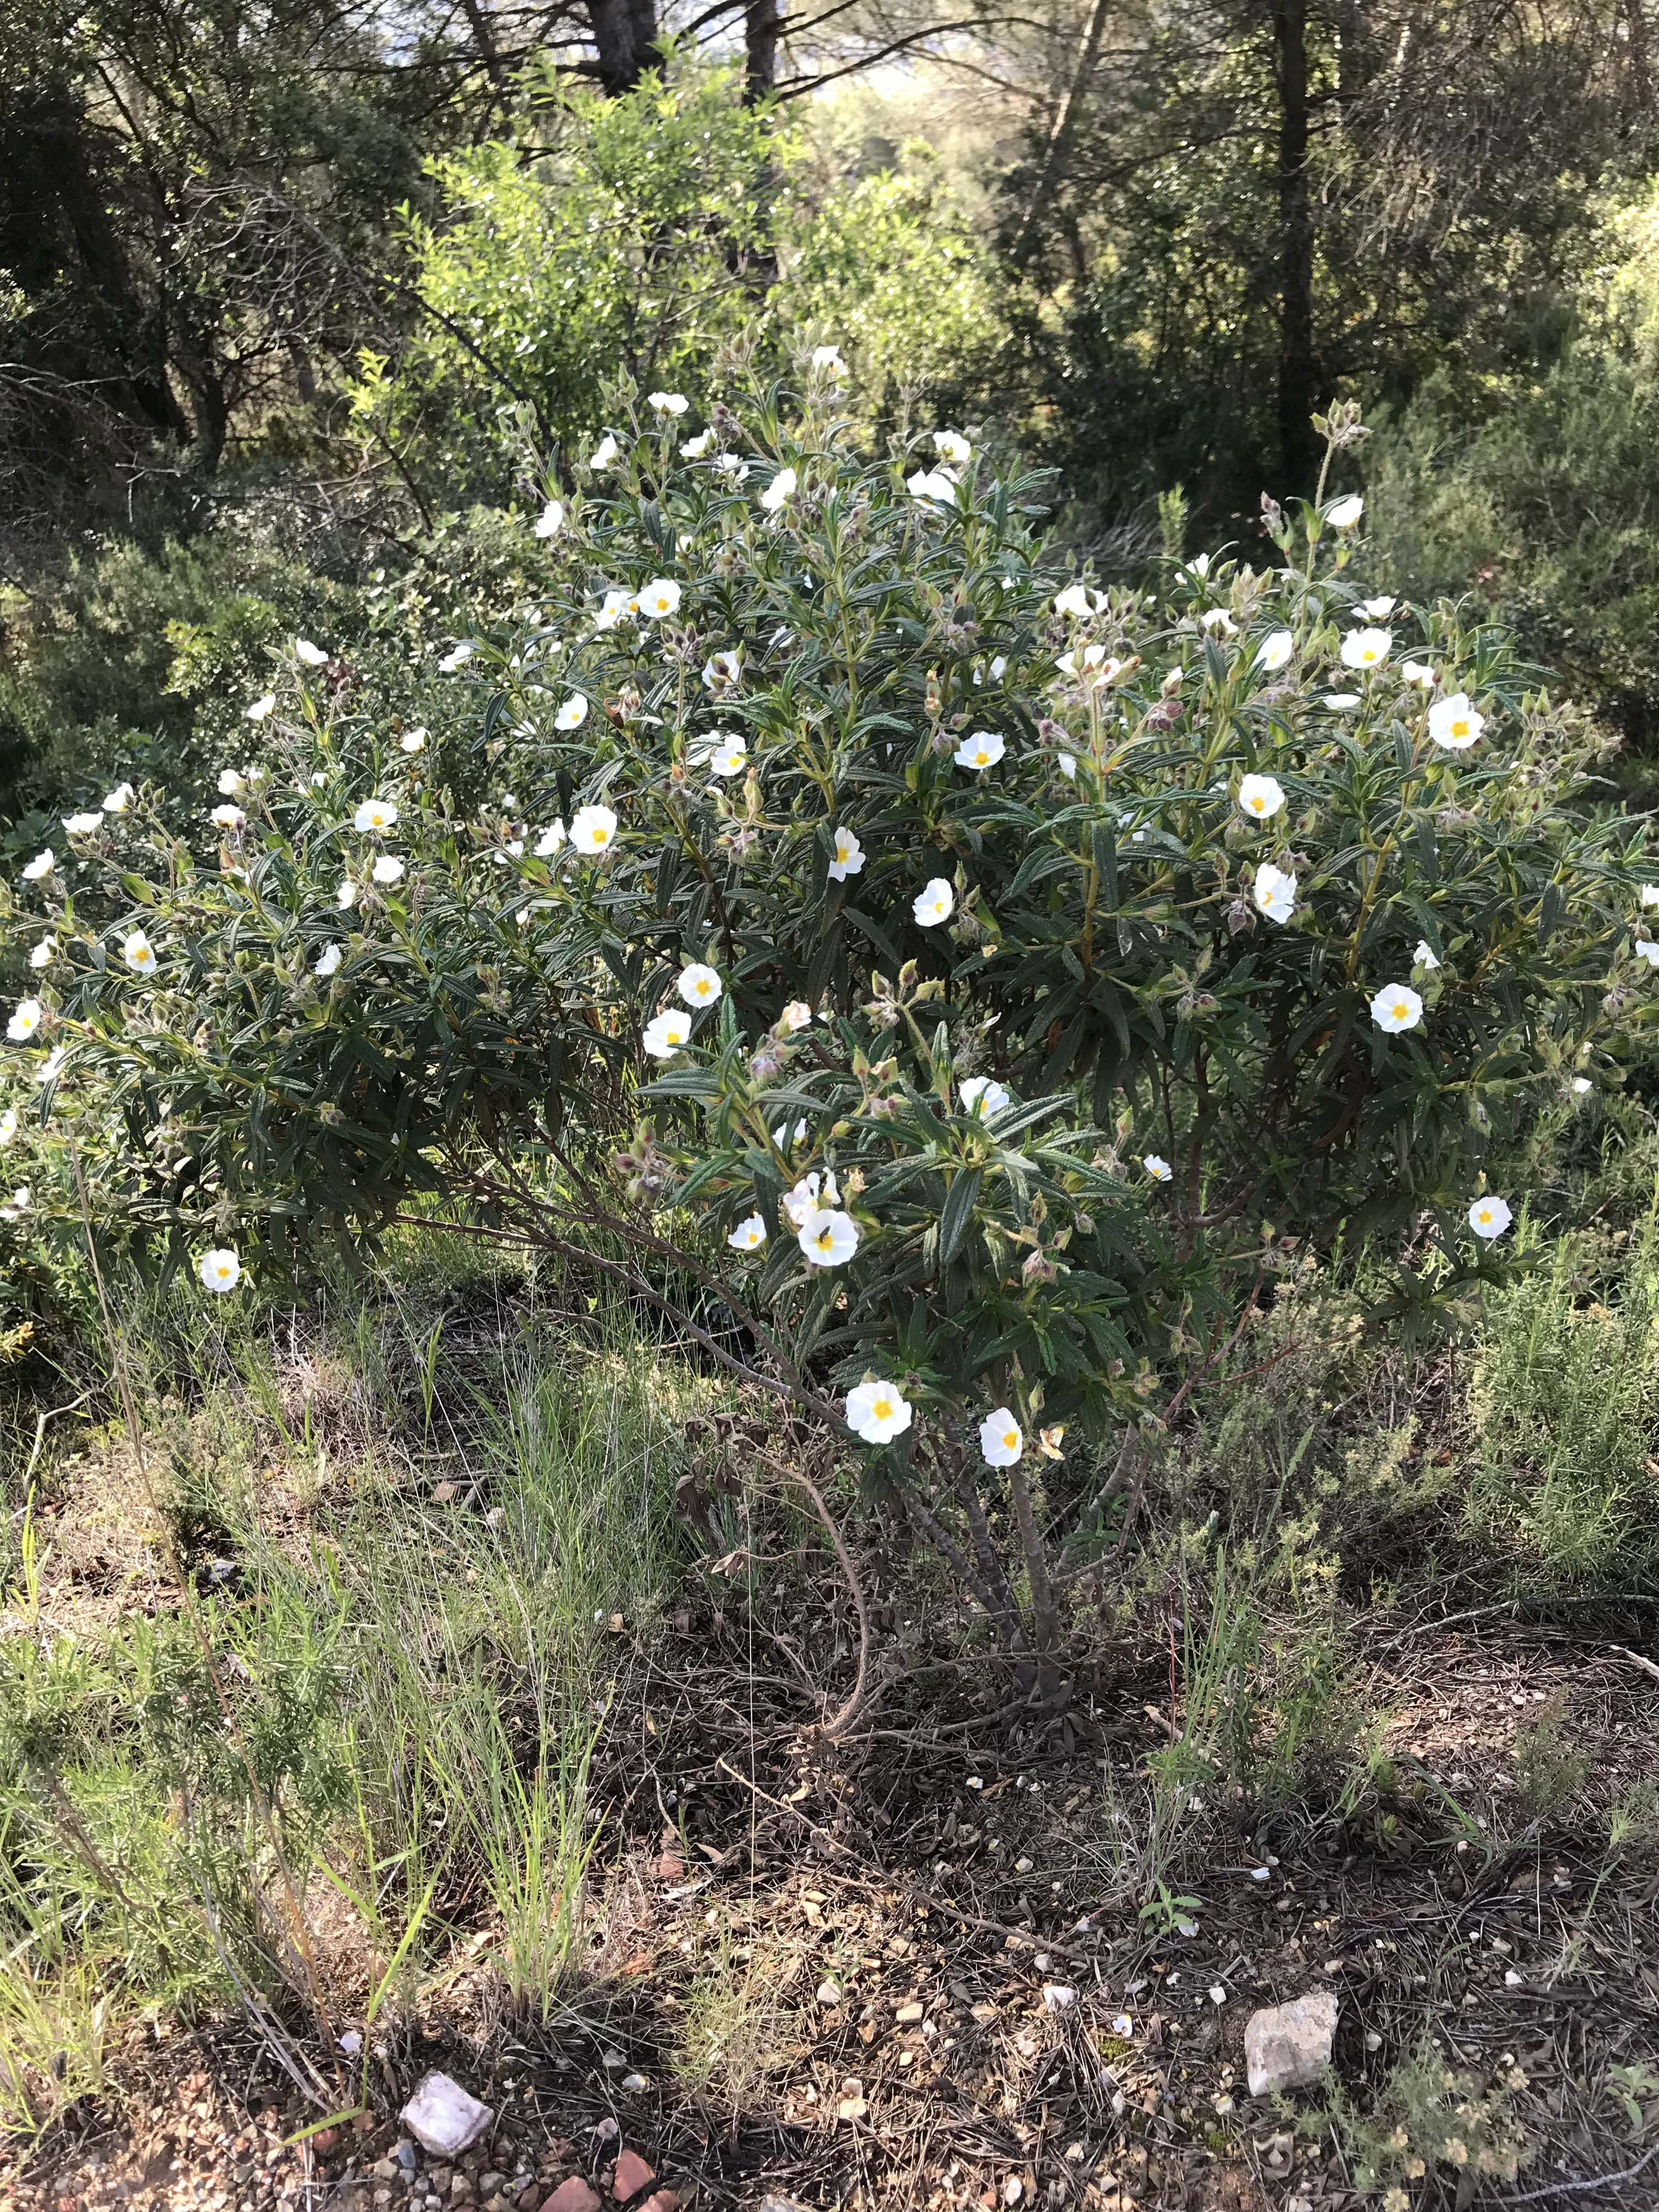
x: 900, y: 1969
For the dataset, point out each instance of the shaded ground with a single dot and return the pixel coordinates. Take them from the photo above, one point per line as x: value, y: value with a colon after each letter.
x: 904, y: 1970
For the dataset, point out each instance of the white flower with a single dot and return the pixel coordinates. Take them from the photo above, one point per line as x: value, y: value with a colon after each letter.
x: 781, y: 487
x: 1343, y: 513
x: 730, y: 756
x: 48, y: 1070
x: 660, y: 598
x: 328, y: 960
x: 1066, y: 764
x: 828, y: 356
x: 732, y: 464
x: 981, y: 1096
x: 721, y: 669
x: 1367, y: 648
x: 25, y: 1021
x: 572, y: 713
x: 796, y: 1017
x: 699, y: 985
x: 828, y: 1238
x: 1454, y: 724
x: 1158, y: 1167
x: 1200, y: 565
x: 802, y: 1202
x: 1647, y: 951
x: 983, y: 750
x: 1002, y: 1439
x: 1418, y: 672
x: 604, y: 453
x: 551, y: 521
x: 1276, y: 650
x: 1581, y: 1083
x: 220, y: 1272
x: 1260, y: 797
x: 346, y: 896
x: 1395, y: 1007
x: 388, y: 869
x: 951, y: 446
x: 549, y: 841
x: 227, y: 817
x: 933, y: 483
x: 40, y: 955
x: 1490, y: 1217
x: 876, y: 1412
x: 1651, y: 894
x: 849, y: 857
x: 1073, y: 662
x: 118, y: 800
x: 411, y: 741
x: 41, y: 865
x: 1275, y: 893
x: 138, y: 953
x: 934, y: 903
x: 1077, y: 601
x: 318, y: 777
x: 457, y: 656
x: 375, y: 815
x: 616, y: 604
x: 231, y: 784
x: 82, y: 825
x: 1425, y: 955
x: 749, y: 1235
x: 1340, y: 702
x: 262, y: 707
x: 591, y: 829
x: 1378, y: 610
x: 9, y: 1124
x: 667, y: 403
x: 312, y: 655
x: 664, y: 1033
x: 20, y: 1201
x: 695, y: 448
x: 1217, y: 620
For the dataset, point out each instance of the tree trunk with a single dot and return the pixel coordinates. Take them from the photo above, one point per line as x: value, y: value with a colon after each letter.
x: 625, y: 32
x: 1297, y: 377
x: 1052, y: 169
x: 762, y: 25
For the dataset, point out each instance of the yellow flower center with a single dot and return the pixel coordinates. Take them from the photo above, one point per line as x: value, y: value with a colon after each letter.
x: 1459, y: 729
x: 824, y: 1239
x: 1400, y: 1010
x: 1009, y: 1438
x: 1486, y: 1214
x: 1258, y: 803
x: 881, y: 1409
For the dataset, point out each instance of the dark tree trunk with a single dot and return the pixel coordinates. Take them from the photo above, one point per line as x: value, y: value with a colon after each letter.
x: 762, y: 26
x: 625, y: 32
x: 1297, y: 372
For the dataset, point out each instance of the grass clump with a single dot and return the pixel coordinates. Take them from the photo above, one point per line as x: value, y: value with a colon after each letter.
x: 1565, y: 1405
x: 1427, y: 2119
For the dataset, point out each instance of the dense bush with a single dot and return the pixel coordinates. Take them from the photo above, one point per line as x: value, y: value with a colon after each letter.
x: 1008, y: 968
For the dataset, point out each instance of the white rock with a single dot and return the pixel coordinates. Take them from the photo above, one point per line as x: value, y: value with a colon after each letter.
x: 443, y: 2118
x: 1287, y: 2047
x: 1058, y: 1997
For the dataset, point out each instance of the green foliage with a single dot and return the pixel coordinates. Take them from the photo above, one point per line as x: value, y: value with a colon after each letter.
x: 1549, y: 1769
x: 892, y: 266
x: 1427, y: 2118
x: 1564, y: 1405
x: 613, y: 236
x: 1540, y: 506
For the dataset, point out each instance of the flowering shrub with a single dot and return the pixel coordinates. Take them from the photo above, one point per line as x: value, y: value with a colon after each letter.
x: 988, y: 975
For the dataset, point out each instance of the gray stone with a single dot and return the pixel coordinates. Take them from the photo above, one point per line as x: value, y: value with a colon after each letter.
x: 1288, y: 2046
x: 442, y: 2117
